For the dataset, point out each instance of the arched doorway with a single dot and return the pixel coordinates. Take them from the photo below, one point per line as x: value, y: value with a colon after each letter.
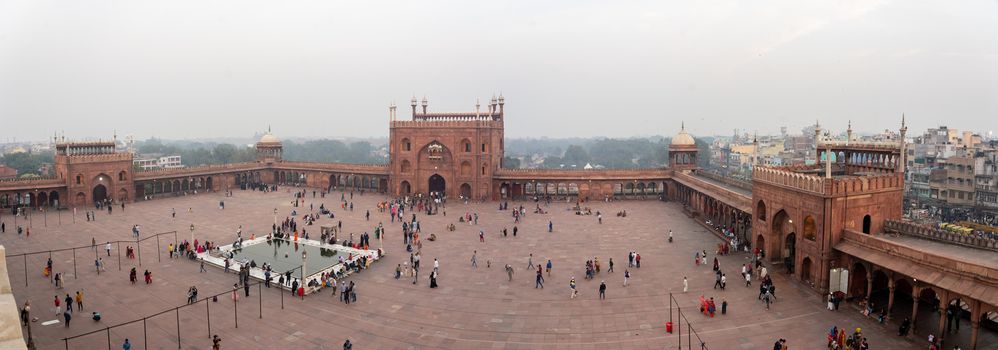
x: 783, y: 232
x: 866, y: 224
x: 760, y: 242
x: 99, y: 193
x: 43, y: 199
x: 81, y: 199
x: 465, y: 190
x: 123, y: 195
x: 805, y: 270
x: 405, y: 188
x: 54, y: 199
x: 437, y: 184
x: 858, y: 280
x: 208, y: 183
x: 503, y: 190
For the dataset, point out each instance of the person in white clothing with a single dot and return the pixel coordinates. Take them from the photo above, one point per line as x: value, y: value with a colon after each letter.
x: 686, y: 285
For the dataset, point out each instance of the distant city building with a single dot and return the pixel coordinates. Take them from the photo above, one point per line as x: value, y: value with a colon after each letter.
x: 166, y: 162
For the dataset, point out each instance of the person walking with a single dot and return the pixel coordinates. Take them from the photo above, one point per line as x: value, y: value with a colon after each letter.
x: 203, y: 270
x: 602, y: 290
x: 724, y: 281
x: 627, y: 274
x: 530, y: 262
x: 79, y: 300
x: 571, y: 284
x: 686, y: 285
x: 610, y: 270
x: 549, y: 268
x: 67, y: 316
x: 216, y: 342
x: 474, y: 259
x: 126, y: 345
x: 550, y: 226
x: 540, y: 279
x: 748, y: 279
x: 509, y: 272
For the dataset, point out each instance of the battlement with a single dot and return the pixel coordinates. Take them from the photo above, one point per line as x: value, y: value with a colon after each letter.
x: 369, y: 169
x: 788, y: 177
x: 196, y: 170
x: 78, y: 158
x: 870, y: 183
x: 584, y: 174
x: 880, y: 146
x: 446, y: 123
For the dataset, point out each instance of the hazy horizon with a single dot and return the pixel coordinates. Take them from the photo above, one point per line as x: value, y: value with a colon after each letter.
x: 189, y: 69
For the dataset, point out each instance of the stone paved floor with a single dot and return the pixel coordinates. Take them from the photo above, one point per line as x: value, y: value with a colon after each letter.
x: 473, y: 308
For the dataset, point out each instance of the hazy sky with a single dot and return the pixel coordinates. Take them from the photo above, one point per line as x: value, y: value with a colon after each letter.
x: 179, y: 69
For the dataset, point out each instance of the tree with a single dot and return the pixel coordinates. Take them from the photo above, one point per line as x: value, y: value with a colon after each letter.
x: 510, y: 163
x: 575, y: 155
x: 552, y: 162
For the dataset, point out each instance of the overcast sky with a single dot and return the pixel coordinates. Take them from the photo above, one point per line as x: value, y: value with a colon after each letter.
x: 190, y: 69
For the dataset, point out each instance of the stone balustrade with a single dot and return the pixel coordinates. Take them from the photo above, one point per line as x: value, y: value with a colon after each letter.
x: 742, y: 184
x: 940, y: 235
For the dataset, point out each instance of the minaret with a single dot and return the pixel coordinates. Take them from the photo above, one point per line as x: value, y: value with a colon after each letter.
x: 424, y: 104
x: 904, y: 153
x: 755, y: 150
x: 849, y: 133
x: 817, y: 138
x: 502, y: 101
x: 413, y: 106
x: 478, y: 108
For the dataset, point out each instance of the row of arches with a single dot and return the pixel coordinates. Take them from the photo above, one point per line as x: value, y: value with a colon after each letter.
x: 30, y: 199
x: 185, y: 185
x: 927, y: 306
x: 436, y: 184
x: 358, y: 182
x: 247, y: 178
x: 724, y: 217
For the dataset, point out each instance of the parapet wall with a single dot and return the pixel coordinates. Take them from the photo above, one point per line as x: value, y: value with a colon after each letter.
x: 584, y: 174
x: 458, y: 123
x: 940, y: 235
x: 839, y: 186
x: 10, y: 334
x: 197, y: 170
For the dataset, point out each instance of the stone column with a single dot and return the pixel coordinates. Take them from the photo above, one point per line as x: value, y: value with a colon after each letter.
x: 869, y: 285
x: 942, y: 316
x: 975, y: 322
x: 890, y: 295
x: 916, y: 293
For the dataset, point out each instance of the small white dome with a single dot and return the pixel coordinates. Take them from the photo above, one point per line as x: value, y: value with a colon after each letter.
x: 683, y: 139
x: 269, y: 139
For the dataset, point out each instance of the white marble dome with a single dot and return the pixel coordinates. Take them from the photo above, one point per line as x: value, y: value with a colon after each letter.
x: 269, y: 139
x: 683, y: 139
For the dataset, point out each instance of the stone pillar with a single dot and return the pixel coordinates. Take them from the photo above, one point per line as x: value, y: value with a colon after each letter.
x: 975, y: 322
x: 916, y: 293
x: 869, y: 285
x: 890, y: 295
x: 942, y: 316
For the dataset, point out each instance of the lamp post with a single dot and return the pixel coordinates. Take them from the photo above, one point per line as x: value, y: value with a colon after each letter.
x: 192, y: 233
x: 304, y: 257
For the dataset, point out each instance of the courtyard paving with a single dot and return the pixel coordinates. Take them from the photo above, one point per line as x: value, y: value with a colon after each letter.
x: 473, y: 308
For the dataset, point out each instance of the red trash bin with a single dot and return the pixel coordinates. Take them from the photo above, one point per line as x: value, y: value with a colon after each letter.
x: 668, y: 327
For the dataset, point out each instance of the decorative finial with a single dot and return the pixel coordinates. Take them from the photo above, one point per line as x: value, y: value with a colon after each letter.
x: 682, y: 126
x: 268, y: 128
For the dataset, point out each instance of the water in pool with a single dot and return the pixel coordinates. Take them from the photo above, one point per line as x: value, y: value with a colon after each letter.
x: 284, y: 255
